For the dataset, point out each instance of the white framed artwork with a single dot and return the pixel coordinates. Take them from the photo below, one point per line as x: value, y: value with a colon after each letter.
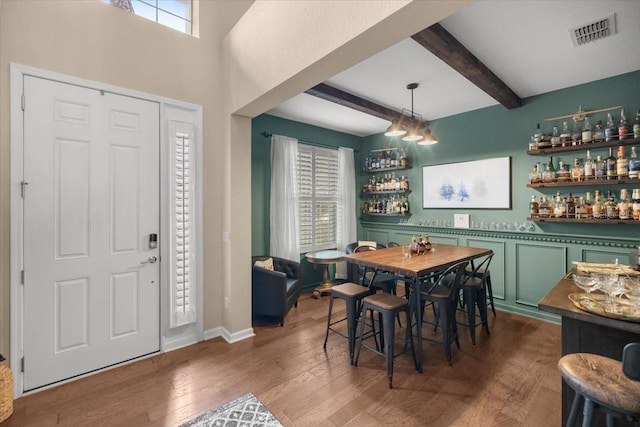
x: 476, y: 184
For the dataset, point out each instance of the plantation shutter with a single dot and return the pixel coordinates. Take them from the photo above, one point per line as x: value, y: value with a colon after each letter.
x: 182, y: 265
x: 318, y: 192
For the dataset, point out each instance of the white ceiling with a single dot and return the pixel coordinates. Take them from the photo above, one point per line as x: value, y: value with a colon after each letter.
x: 525, y: 43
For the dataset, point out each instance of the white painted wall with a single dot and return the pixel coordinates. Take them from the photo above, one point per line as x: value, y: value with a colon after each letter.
x: 278, y: 49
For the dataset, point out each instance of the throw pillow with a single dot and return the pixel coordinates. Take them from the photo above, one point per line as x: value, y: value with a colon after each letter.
x: 267, y: 263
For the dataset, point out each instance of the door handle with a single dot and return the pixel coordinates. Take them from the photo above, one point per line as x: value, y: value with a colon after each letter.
x: 151, y: 260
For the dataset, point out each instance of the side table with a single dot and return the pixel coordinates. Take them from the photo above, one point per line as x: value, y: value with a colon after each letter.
x: 325, y: 258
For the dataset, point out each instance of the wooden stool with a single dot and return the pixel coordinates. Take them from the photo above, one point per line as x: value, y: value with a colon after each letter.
x: 352, y: 295
x: 387, y: 306
x: 603, y: 382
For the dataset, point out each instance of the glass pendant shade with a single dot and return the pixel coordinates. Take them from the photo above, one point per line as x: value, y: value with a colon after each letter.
x: 411, y: 125
x: 412, y: 136
x: 428, y: 139
x: 415, y: 131
x: 395, y: 130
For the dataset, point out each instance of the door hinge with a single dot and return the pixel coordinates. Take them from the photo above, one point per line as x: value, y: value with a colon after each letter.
x: 22, y: 277
x: 23, y: 188
x: 22, y: 365
x: 22, y: 102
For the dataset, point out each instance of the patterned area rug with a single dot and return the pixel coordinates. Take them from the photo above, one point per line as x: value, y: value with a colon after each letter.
x: 245, y: 411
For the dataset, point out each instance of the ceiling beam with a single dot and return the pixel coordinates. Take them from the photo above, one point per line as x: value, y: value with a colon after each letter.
x: 442, y: 44
x: 332, y: 94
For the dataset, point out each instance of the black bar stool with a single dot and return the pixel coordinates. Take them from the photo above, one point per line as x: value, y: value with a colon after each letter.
x: 603, y: 383
x: 388, y: 307
x: 443, y: 292
x: 352, y: 295
x: 474, y: 293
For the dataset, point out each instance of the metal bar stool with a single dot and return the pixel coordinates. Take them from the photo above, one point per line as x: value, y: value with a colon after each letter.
x: 604, y: 383
x: 443, y: 292
x: 388, y: 306
x: 479, y: 273
x: 352, y: 295
x: 474, y: 294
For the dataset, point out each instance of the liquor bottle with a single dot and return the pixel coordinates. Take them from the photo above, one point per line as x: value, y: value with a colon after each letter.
x: 570, y: 207
x: 635, y: 199
x: 394, y: 159
x: 575, y: 135
x: 550, y: 172
x: 600, y: 168
x: 404, y: 184
x: 565, y: 135
x: 634, y: 164
x: 587, y: 134
x: 598, y: 133
x: 577, y: 172
x: 403, y: 157
x: 581, y: 208
x: 537, y: 134
x: 623, y: 126
x: 611, y: 165
x: 555, y: 137
x: 534, y: 208
x: 597, y: 208
x: 624, y: 206
x: 533, y: 175
x: 589, y: 169
x: 588, y: 204
x: 636, y: 126
x: 611, y: 207
x: 544, y: 210
x: 559, y: 206
x: 408, y: 206
x: 622, y: 164
x: 611, y: 130
x: 563, y: 174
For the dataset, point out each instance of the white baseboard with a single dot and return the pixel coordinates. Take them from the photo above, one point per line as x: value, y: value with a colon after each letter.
x: 170, y: 344
x: 228, y: 336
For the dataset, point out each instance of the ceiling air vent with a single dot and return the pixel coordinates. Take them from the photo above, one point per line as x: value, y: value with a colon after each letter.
x: 593, y: 31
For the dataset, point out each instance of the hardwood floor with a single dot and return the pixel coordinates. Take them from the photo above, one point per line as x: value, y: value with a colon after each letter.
x: 509, y: 378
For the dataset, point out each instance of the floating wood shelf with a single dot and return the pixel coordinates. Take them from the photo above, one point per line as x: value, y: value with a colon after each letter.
x: 589, y: 183
x: 587, y: 221
x: 583, y: 147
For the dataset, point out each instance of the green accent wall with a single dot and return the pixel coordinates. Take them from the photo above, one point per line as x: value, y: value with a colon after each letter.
x: 261, y: 177
x: 527, y: 263
x: 497, y: 132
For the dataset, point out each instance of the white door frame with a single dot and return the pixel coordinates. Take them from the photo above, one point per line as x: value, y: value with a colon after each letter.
x: 169, y: 110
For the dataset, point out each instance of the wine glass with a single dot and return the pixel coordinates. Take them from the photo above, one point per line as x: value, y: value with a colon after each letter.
x: 632, y: 292
x: 611, y: 285
x: 586, y: 282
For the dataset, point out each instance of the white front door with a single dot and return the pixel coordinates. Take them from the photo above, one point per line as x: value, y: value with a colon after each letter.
x: 91, y: 280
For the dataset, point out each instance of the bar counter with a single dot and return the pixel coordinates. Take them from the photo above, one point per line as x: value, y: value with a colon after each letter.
x: 583, y: 332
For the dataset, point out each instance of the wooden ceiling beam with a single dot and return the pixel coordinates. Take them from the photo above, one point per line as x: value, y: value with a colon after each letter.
x: 332, y: 94
x: 442, y: 44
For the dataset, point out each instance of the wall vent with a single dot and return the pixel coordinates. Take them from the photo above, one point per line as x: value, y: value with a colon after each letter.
x: 593, y: 31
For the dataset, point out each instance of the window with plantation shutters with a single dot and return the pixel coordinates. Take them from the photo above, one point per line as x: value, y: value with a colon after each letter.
x: 182, y: 264
x: 318, y: 197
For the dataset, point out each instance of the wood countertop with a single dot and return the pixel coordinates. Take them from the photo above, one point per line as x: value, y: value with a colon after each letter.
x: 557, y: 302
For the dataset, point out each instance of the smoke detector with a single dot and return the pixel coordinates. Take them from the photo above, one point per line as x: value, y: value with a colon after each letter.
x: 593, y: 31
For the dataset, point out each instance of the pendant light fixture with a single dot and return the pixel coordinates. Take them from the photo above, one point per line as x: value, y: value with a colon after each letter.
x: 411, y: 126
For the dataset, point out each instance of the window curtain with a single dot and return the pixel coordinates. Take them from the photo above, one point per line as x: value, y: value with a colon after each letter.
x: 284, y: 219
x: 347, y: 224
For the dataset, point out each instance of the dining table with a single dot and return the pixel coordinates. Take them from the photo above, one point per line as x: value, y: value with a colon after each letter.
x: 415, y: 268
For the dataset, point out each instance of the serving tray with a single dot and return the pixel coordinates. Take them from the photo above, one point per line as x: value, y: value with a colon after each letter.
x: 619, y: 269
x: 599, y: 304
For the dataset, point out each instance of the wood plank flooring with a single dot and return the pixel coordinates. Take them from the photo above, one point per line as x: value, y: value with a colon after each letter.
x: 509, y: 378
